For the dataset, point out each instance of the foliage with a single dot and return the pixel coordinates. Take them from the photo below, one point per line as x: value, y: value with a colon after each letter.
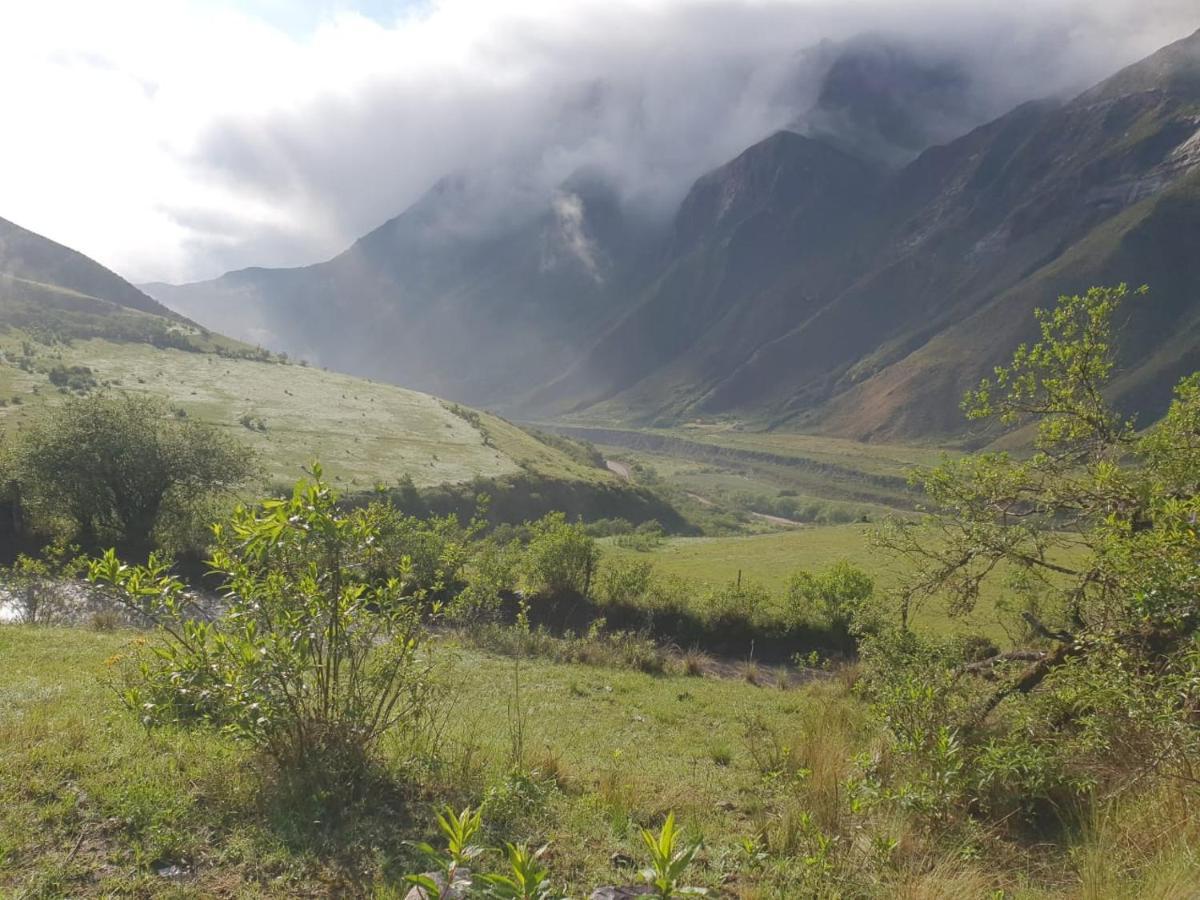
x: 451, y: 865
x: 314, y: 657
x: 829, y: 599
x: 528, y: 879
x: 35, y: 585
x: 113, y: 467
x: 80, y: 379
x: 1102, y: 694
x: 669, y: 858
x: 491, y: 576
x: 561, y: 558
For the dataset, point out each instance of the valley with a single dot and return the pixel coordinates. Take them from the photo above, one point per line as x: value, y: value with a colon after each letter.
x: 823, y: 524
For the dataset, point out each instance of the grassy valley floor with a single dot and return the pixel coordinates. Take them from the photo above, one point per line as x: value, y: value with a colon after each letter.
x: 92, y: 805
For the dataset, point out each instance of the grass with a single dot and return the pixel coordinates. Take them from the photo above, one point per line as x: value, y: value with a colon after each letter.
x: 92, y: 805
x: 771, y: 559
x: 364, y: 433
x: 76, y: 769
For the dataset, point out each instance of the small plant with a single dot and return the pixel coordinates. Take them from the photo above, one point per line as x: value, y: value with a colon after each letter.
x: 695, y: 662
x: 669, y: 857
x: 451, y: 876
x: 752, y: 672
x: 528, y: 879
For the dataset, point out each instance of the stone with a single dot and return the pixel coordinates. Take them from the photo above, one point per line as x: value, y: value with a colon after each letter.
x: 458, y: 890
x: 618, y: 892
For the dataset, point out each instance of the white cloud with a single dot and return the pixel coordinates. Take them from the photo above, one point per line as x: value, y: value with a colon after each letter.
x: 174, y: 139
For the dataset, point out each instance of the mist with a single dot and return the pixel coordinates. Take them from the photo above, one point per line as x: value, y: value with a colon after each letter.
x: 176, y: 141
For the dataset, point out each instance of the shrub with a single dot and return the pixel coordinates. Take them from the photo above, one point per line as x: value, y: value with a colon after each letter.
x: 737, y: 605
x: 72, y: 378
x: 36, y: 586
x: 625, y: 583
x: 492, y: 574
x: 560, y: 558
x: 312, y: 660
x: 1100, y: 522
x: 829, y: 599
x: 114, y: 468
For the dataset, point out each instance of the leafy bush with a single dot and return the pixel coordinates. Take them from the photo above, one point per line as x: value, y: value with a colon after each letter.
x: 114, y: 467
x: 625, y: 583
x: 36, y: 587
x: 312, y: 660
x: 560, y: 559
x: 80, y: 379
x: 492, y: 575
x: 829, y: 599
x: 737, y: 604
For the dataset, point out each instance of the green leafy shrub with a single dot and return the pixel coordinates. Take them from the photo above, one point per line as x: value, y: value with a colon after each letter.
x: 112, y: 468
x: 1099, y: 525
x: 829, y: 599
x: 312, y: 660
x: 669, y: 859
x: 561, y: 557
x: 35, y: 585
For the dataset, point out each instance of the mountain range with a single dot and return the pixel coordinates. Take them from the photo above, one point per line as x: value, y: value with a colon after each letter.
x: 851, y: 277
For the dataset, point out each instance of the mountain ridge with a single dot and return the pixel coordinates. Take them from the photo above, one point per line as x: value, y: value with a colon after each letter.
x: 790, y: 280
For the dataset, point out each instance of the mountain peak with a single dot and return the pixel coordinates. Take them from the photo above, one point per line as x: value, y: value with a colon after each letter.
x: 883, y: 99
x: 1174, y: 69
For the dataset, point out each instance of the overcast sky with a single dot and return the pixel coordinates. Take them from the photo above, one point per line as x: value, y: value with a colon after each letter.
x: 177, y: 139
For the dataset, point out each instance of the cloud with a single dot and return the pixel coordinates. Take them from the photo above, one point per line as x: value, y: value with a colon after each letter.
x: 174, y: 139
x: 572, y: 234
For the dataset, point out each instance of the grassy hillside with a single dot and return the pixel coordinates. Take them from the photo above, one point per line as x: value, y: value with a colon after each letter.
x: 365, y: 434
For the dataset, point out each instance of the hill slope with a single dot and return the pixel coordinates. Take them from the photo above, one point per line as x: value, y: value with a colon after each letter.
x: 57, y: 340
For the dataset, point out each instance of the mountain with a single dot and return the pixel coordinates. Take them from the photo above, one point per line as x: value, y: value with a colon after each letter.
x: 476, y: 305
x: 887, y: 101
x: 35, y: 270
x: 70, y: 326
x: 816, y: 281
x: 929, y: 278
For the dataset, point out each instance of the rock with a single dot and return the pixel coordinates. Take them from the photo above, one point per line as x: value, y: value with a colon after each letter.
x: 458, y: 890
x: 615, y: 892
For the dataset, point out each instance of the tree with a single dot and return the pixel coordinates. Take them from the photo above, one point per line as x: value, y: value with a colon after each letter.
x: 114, y: 467
x: 1101, y: 519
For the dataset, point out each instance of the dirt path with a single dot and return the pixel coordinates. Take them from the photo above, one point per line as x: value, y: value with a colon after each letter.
x: 618, y: 468
x: 764, y: 517
x: 777, y: 520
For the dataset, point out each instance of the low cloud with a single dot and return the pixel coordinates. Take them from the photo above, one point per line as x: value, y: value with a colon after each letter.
x: 175, y: 140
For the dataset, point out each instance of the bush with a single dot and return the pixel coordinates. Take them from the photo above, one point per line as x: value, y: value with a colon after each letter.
x: 1099, y: 522
x: 36, y: 586
x: 560, y: 558
x: 625, y: 583
x: 829, y: 599
x: 80, y: 379
x: 312, y: 661
x: 492, y: 575
x: 114, y: 469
